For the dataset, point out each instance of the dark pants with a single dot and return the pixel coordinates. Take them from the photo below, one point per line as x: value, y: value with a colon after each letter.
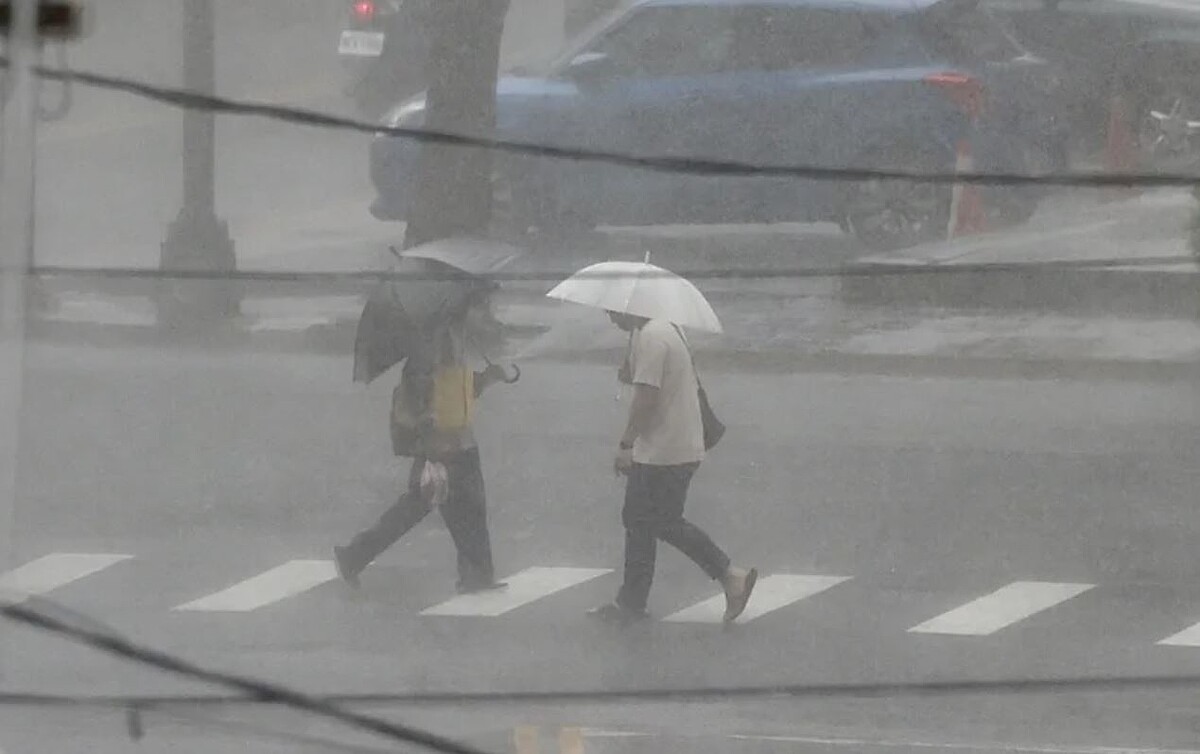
x: 654, y: 499
x: 465, y: 514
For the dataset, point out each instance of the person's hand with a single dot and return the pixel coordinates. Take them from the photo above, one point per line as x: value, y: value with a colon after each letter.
x: 623, y: 462
x: 493, y: 374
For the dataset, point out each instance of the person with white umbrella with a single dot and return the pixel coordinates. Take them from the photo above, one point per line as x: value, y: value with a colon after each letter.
x: 669, y: 429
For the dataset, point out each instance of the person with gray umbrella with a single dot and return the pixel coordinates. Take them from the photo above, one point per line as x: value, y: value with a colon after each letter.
x: 434, y: 318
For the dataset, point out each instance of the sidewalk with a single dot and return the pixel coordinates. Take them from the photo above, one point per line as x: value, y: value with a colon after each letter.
x: 1037, y: 321
x: 1161, y: 279
x: 808, y: 329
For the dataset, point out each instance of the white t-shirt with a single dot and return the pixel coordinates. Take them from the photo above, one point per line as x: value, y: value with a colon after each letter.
x: 674, y: 435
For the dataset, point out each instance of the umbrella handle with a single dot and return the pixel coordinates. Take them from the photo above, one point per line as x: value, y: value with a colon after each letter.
x: 516, y: 376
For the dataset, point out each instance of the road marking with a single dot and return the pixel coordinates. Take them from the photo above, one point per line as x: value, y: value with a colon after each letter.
x: 287, y: 580
x: 962, y: 745
x: 1001, y: 608
x: 771, y: 594
x: 527, y: 586
x: 1189, y: 637
x: 57, y: 569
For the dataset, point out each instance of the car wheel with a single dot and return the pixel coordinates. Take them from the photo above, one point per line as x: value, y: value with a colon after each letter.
x: 894, y: 214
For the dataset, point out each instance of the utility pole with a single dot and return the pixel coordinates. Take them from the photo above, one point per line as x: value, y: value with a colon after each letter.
x: 454, y: 194
x: 197, y: 241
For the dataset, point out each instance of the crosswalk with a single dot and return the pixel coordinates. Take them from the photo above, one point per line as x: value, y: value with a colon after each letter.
x: 998, y: 610
x: 1001, y: 608
x: 56, y: 570
x: 523, y: 588
x: 292, y: 578
x: 771, y: 594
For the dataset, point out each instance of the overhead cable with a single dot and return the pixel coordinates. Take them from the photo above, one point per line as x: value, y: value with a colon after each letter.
x: 693, y: 165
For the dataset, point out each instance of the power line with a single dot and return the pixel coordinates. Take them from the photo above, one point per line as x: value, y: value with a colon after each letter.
x: 252, y: 692
x: 87, y: 630
x: 873, y: 269
x: 253, y: 688
x: 687, y: 165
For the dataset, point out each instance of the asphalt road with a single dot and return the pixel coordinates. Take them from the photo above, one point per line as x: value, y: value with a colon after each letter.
x: 894, y: 504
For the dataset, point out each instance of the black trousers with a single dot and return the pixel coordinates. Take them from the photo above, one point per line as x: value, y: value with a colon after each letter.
x: 465, y: 514
x: 654, y: 500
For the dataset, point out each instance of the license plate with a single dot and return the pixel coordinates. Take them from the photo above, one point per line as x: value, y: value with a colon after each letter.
x: 367, y: 44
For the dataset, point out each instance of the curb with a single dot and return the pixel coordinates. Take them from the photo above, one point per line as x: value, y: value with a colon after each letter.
x: 1077, y: 275
x: 1143, y: 292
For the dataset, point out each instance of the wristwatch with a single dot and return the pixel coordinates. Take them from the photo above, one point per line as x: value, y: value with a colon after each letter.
x: 626, y: 445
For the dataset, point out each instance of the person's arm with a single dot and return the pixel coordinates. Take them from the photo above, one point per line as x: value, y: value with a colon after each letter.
x: 645, y: 401
x: 648, y: 367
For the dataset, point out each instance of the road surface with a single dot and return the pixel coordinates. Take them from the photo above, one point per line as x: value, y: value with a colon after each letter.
x: 906, y: 529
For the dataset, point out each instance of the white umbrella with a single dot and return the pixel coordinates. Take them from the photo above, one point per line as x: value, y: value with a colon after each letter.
x: 641, y: 289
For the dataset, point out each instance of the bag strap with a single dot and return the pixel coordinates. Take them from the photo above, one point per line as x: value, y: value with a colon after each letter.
x: 687, y: 346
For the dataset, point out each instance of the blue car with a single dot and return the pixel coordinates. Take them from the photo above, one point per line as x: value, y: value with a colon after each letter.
x: 865, y: 83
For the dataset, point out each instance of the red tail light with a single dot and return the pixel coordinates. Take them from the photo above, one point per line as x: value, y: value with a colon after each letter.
x: 963, y: 90
x: 364, y: 10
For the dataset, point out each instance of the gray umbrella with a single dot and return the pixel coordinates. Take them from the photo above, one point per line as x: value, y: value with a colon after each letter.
x: 433, y: 281
x: 474, y: 256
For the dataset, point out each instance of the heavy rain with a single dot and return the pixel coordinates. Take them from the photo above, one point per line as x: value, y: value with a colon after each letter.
x: 600, y: 376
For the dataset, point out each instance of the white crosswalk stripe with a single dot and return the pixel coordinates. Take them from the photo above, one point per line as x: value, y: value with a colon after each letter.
x: 287, y: 580
x: 525, y: 587
x: 980, y: 616
x: 56, y: 570
x: 771, y: 594
x: 1189, y: 637
x: 1003, y: 607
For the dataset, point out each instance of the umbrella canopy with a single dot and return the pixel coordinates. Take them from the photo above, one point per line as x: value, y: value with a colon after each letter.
x: 402, y: 311
x: 473, y: 256
x: 641, y: 289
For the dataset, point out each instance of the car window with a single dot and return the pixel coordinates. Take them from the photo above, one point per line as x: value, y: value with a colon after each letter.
x: 669, y: 41
x: 970, y: 36
x: 781, y: 38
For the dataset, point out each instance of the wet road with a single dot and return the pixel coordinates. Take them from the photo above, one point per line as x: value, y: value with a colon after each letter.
x: 908, y: 529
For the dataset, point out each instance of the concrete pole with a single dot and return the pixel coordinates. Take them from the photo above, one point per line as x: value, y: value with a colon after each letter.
x: 197, y: 240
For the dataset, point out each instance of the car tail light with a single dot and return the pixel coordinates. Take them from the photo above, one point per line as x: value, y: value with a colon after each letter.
x: 963, y: 90
x: 364, y: 10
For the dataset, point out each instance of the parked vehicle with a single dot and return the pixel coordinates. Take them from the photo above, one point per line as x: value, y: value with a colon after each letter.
x: 382, y: 48
x: 864, y: 83
x: 1147, y: 52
